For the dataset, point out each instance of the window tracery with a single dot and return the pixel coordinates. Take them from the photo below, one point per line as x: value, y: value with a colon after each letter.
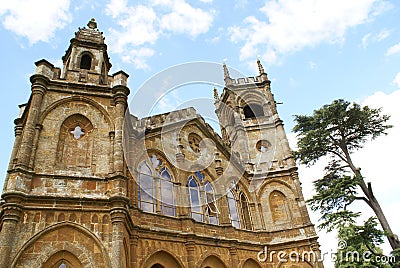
x: 156, y: 191
x: 233, y: 209
x: 245, y: 213
x: 202, y: 201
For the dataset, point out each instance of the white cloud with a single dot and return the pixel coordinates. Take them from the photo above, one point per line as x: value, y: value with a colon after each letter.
x: 393, y: 50
x: 396, y: 80
x: 312, y: 65
x: 142, y: 25
x: 376, y: 160
x: 138, y: 57
x: 383, y: 34
x: 291, y: 25
x: 186, y: 19
x: 37, y: 20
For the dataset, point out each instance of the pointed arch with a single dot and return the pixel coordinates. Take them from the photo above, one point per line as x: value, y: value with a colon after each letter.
x: 278, y: 206
x: 156, y: 190
x: 162, y: 258
x: 194, y: 199
x: 211, y: 213
x: 253, y: 111
x: 63, y: 259
x: 212, y: 261
x: 233, y: 209
x: 251, y: 263
x: 83, y: 99
x: 51, y: 247
x: 75, y: 142
x: 245, y: 212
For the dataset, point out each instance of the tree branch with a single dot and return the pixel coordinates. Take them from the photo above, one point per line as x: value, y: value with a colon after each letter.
x: 363, y: 198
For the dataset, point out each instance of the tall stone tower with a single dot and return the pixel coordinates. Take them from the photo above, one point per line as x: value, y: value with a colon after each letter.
x: 71, y: 198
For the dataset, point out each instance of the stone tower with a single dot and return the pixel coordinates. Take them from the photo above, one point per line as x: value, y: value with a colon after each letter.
x: 81, y: 192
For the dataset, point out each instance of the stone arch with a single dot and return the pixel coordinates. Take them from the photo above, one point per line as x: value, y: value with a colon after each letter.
x: 278, y: 206
x: 212, y: 261
x: 250, y: 97
x: 60, y: 102
x: 285, y: 188
x: 85, y: 60
x: 62, y: 257
x: 274, y: 217
x: 251, y: 263
x: 243, y: 188
x: 146, y: 155
x: 47, y: 146
x: 75, y: 142
x: 63, y: 237
x: 162, y: 258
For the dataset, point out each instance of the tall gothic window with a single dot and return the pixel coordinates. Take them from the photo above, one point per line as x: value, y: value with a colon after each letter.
x: 245, y: 213
x: 75, y: 143
x: 233, y: 210
x: 156, y: 191
x: 202, y: 201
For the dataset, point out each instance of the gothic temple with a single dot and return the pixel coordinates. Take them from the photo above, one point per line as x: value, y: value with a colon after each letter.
x: 89, y: 185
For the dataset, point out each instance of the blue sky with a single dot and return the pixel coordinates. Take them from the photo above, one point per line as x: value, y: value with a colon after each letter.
x: 314, y: 51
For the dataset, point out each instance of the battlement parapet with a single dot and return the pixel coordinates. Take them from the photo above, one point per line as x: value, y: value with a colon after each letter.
x: 247, y: 80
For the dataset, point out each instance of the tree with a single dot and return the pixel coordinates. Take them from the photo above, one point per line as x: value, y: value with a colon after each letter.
x: 336, y: 131
x: 358, y: 246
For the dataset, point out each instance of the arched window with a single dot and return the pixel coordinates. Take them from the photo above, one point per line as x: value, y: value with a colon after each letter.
x: 147, y: 193
x: 211, y: 211
x: 278, y: 205
x: 233, y: 211
x: 168, y: 206
x: 202, y: 200
x: 253, y: 110
x: 245, y: 213
x: 86, y: 62
x: 62, y: 259
x: 194, y: 199
x: 156, y: 191
x: 74, y: 150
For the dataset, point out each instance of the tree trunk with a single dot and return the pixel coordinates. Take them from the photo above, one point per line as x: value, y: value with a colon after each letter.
x: 393, y: 239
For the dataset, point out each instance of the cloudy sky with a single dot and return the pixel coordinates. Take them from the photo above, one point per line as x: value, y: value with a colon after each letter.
x: 314, y: 51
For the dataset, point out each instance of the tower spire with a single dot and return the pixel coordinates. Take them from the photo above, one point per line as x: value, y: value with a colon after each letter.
x: 227, y: 78
x: 260, y: 67
x: 215, y: 94
x: 226, y: 72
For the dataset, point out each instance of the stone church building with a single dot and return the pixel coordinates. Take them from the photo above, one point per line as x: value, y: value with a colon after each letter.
x: 89, y: 185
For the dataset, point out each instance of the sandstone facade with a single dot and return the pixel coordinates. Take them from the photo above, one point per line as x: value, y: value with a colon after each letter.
x: 82, y: 192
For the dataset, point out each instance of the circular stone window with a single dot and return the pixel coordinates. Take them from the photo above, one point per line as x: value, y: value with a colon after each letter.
x: 263, y: 146
x: 194, y: 142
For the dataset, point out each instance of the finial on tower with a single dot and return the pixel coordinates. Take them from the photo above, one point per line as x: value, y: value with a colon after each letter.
x: 260, y: 67
x: 92, y: 24
x: 215, y: 94
x: 226, y: 72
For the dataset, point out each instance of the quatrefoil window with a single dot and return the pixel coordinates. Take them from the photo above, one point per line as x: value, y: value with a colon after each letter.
x: 78, y: 132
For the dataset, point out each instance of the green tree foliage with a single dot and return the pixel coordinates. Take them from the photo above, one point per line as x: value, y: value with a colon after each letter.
x: 358, y: 246
x: 336, y: 131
